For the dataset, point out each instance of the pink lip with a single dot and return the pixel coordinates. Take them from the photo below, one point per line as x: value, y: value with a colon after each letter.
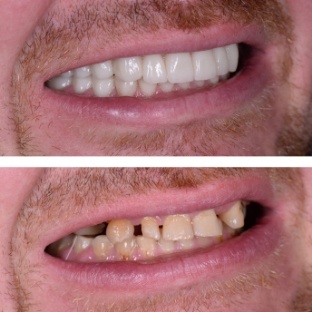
x: 228, y: 258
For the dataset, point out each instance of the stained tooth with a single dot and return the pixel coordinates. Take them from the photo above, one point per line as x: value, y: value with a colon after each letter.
x: 101, y: 247
x: 91, y: 230
x: 221, y: 60
x: 126, y: 88
x: 166, y: 246
x: 166, y: 87
x: 232, y: 56
x: 179, y: 67
x: 146, y: 88
x: 81, y: 243
x: 82, y: 72
x: 81, y: 85
x: 234, y: 217
x: 154, y: 69
x: 207, y: 224
x: 186, y: 244
x: 59, y: 83
x: 103, y: 88
x: 177, y: 227
x: 147, y: 245
x: 205, y: 66
x: 125, y: 248
x: 62, y: 244
x: 119, y: 230
x: 103, y: 70
x: 128, y: 69
x: 150, y: 228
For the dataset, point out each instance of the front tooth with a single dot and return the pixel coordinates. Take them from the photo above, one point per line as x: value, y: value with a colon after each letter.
x: 232, y: 56
x: 234, y: 217
x: 103, y: 88
x: 205, y: 66
x: 207, y: 224
x: 146, y: 88
x: 150, y: 228
x: 101, y: 247
x: 128, y: 69
x: 154, y: 69
x: 179, y: 67
x: 81, y: 85
x: 220, y: 57
x: 177, y: 227
x: 126, y: 247
x: 103, y: 70
x: 147, y: 245
x: 119, y: 230
x: 91, y: 230
x: 81, y: 243
x: 82, y: 72
x: 125, y: 88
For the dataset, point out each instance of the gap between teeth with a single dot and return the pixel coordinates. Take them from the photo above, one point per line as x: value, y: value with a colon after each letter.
x: 116, y: 240
x: 152, y: 74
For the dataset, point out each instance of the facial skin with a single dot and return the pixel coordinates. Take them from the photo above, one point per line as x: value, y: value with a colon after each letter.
x: 263, y: 110
x: 270, y: 260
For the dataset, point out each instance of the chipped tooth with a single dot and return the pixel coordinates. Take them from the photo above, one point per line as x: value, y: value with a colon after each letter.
x: 207, y: 224
x: 147, y: 245
x: 234, y: 217
x: 205, y: 66
x: 154, y: 69
x: 91, y: 230
x: 82, y: 72
x: 166, y: 246
x: 102, y: 71
x: 186, y: 244
x: 177, y: 227
x: 126, y: 247
x: 150, y: 228
x: 118, y: 230
x: 103, y: 88
x: 81, y: 85
x: 125, y: 88
x: 147, y: 89
x: 81, y: 243
x: 101, y: 247
x: 221, y: 60
x: 128, y: 69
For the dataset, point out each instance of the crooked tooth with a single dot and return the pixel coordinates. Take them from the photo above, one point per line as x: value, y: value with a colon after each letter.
x: 119, y: 230
x: 128, y: 69
x: 82, y: 72
x: 103, y: 70
x: 101, y: 247
x: 126, y: 247
x: 91, y: 230
x: 103, y: 88
x: 207, y: 224
x: 150, y: 228
x: 221, y: 59
x: 232, y: 56
x: 179, y: 67
x: 177, y: 227
x: 81, y: 85
x: 125, y: 88
x: 154, y: 69
x: 234, y: 217
x: 205, y: 66
x: 81, y: 243
x: 147, y: 245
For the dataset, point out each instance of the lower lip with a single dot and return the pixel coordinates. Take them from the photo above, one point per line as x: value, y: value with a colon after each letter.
x: 221, y: 262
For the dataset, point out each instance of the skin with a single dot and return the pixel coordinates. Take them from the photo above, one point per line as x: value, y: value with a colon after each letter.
x: 29, y: 285
x: 271, y: 122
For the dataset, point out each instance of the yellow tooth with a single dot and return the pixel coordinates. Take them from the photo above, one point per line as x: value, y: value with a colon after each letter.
x: 234, y: 217
x: 91, y: 230
x: 119, y: 230
x: 150, y: 228
x: 81, y: 243
x: 177, y: 227
x: 147, y: 245
x: 101, y: 246
x: 125, y: 248
x: 166, y: 246
x: 207, y: 224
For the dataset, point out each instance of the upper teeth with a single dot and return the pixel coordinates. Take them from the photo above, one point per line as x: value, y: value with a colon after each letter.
x: 151, y: 74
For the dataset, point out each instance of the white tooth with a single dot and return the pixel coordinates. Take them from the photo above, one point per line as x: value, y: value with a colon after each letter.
x: 214, y: 81
x: 184, y: 86
x: 81, y: 243
x: 166, y: 246
x: 101, y: 247
x: 233, y: 56
x: 234, y: 217
x: 166, y: 87
x: 147, y: 245
x: 119, y: 230
x: 126, y: 88
x: 154, y: 69
x: 91, y: 230
x: 186, y: 244
x: 67, y: 74
x: 82, y: 72
x: 81, y: 85
x: 207, y: 224
x: 220, y: 57
x: 126, y: 247
x: 179, y: 67
x: 148, y: 89
x: 199, y: 84
x: 177, y: 227
x: 103, y: 70
x: 128, y: 69
x: 150, y: 228
x: 103, y: 88
x: 59, y: 83
x: 205, y: 66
